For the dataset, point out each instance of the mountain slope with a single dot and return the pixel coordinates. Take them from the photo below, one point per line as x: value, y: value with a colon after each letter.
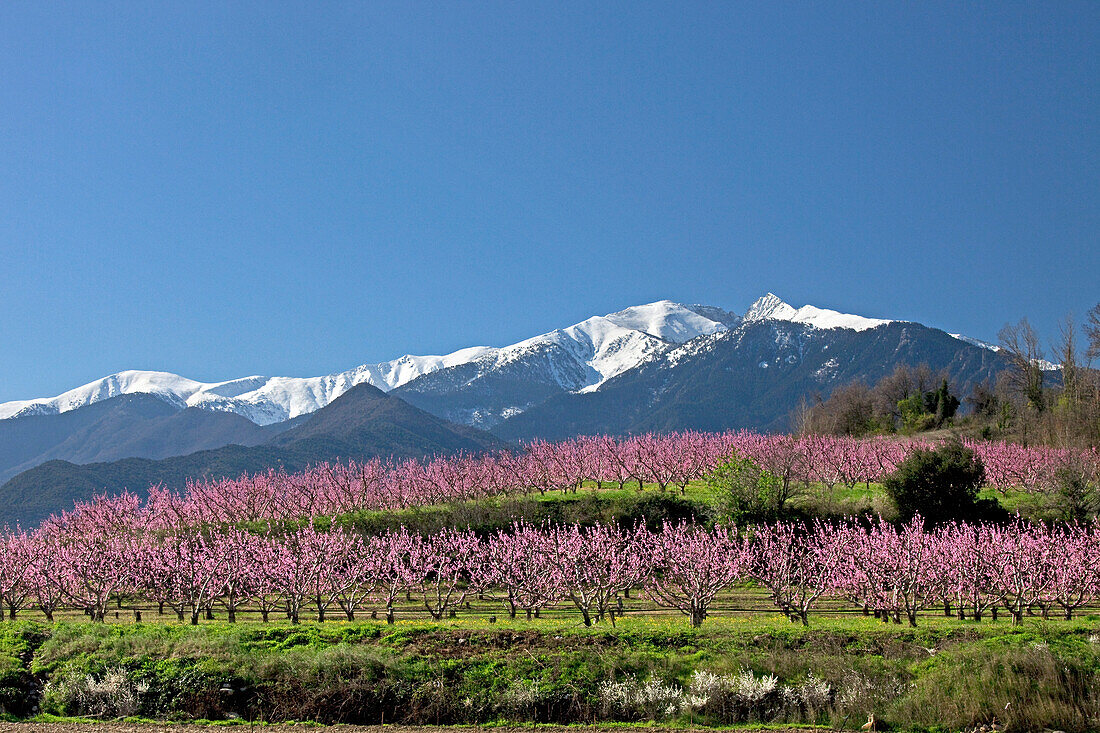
x: 750, y: 377
x: 263, y: 400
x: 580, y: 358
x: 593, y: 351
x: 362, y: 423
x: 656, y: 350
x: 137, y: 425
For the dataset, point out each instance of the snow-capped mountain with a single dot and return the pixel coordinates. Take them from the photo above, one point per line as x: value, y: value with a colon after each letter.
x: 595, y: 350
x: 577, y: 359
x: 770, y: 307
x: 659, y: 366
x: 263, y: 400
x: 480, y: 385
x: 752, y: 375
x: 605, y: 346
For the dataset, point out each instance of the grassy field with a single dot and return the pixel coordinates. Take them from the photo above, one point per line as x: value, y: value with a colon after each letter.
x: 944, y: 674
x: 649, y: 505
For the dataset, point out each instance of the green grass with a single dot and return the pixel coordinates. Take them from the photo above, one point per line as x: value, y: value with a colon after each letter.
x: 945, y: 673
x: 591, y: 504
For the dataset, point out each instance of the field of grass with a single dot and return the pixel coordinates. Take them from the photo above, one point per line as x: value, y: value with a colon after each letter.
x: 944, y: 674
x: 648, y: 504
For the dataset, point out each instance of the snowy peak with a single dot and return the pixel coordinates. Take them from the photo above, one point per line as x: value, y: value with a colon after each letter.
x: 167, y: 386
x: 666, y: 320
x: 578, y: 358
x: 602, y: 347
x: 770, y: 307
x: 263, y: 400
x: 597, y: 349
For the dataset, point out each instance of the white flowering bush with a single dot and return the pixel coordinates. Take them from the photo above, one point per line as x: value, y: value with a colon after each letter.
x: 113, y: 695
x: 723, y: 698
x: 520, y: 699
x: 815, y: 694
x: 746, y: 696
x: 857, y: 693
x: 631, y: 700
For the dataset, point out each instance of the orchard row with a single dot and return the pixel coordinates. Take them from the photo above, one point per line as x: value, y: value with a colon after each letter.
x: 667, y: 461
x: 107, y: 552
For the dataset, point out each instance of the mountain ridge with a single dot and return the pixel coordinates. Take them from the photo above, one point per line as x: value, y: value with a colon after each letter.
x: 267, y: 400
x: 362, y: 423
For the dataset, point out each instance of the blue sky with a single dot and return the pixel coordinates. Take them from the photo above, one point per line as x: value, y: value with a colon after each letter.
x: 261, y: 188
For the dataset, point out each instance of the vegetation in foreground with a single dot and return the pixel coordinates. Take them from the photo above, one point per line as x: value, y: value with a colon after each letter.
x: 746, y: 665
x: 944, y: 675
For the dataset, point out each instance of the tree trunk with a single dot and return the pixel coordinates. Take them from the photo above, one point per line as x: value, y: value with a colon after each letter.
x: 697, y: 616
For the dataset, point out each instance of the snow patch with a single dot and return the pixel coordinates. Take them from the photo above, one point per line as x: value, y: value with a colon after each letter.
x: 975, y: 342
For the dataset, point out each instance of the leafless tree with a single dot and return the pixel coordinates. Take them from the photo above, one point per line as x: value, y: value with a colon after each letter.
x: 1065, y: 351
x: 1020, y: 343
x: 1092, y: 331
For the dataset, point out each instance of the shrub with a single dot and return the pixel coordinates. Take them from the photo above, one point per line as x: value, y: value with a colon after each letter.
x: 112, y: 695
x: 747, y: 492
x: 1074, y: 497
x: 521, y: 700
x: 744, y: 697
x: 940, y: 485
x: 634, y: 700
